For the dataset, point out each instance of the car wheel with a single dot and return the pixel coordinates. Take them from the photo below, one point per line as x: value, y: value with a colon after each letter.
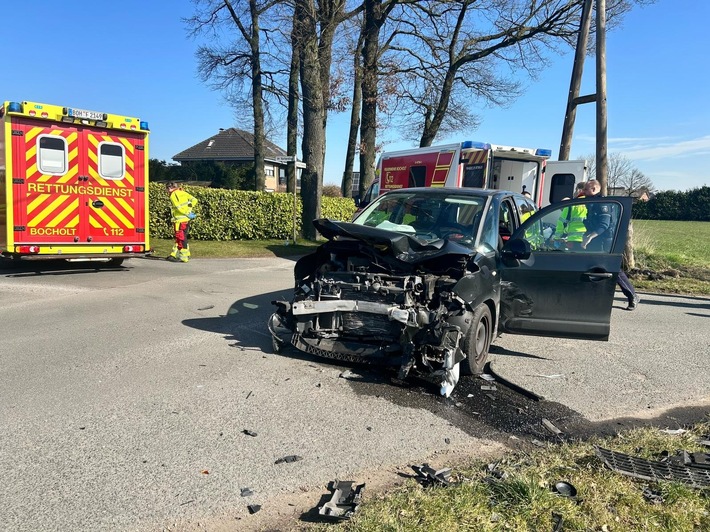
x: 477, y: 341
x: 115, y: 262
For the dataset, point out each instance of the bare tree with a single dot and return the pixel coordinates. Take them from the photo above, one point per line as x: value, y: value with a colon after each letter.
x: 623, y: 179
x: 228, y: 67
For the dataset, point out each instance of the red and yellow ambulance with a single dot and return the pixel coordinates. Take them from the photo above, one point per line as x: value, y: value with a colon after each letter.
x: 73, y: 184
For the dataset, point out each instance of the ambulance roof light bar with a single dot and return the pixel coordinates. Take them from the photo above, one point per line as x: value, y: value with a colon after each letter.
x: 469, y: 144
x: 543, y: 152
x: 14, y: 107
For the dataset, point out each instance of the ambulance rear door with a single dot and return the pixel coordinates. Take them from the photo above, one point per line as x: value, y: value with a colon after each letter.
x: 115, y: 186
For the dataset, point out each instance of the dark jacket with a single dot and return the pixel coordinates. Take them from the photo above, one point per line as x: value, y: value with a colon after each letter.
x: 599, y: 220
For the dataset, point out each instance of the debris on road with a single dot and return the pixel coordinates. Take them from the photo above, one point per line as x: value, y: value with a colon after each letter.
x: 246, y: 492
x: 565, y: 489
x: 674, y: 432
x: 554, y: 376
x: 694, y: 475
x: 345, y: 500
x: 549, y: 426
x: 289, y: 459
x: 488, y: 387
x: 208, y: 307
x: 253, y: 508
x: 250, y: 433
x: 427, y: 475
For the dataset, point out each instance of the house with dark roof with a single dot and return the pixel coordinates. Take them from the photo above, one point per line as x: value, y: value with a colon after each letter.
x: 236, y: 147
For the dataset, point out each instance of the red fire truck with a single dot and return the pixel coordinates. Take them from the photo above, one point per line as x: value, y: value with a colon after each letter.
x: 473, y: 164
x: 73, y: 184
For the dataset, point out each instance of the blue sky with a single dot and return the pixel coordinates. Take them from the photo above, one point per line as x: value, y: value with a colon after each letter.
x: 134, y: 58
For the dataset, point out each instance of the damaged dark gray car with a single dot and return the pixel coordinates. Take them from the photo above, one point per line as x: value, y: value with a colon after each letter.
x: 424, y: 279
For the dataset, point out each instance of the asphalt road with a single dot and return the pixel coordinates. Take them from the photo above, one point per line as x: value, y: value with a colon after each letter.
x: 125, y: 395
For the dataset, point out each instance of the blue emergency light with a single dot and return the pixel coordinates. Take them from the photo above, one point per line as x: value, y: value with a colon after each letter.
x: 477, y: 145
x: 144, y: 125
x: 14, y: 107
x: 543, y: 152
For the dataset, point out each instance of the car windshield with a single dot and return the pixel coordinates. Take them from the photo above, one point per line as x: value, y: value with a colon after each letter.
x: 427, y: 216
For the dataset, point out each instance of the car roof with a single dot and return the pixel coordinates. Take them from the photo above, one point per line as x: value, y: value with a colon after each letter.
x: 437, y: 191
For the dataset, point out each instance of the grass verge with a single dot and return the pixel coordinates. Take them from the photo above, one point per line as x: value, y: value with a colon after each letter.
x: 233, y: 249
x: 519, y: 496
x: 672, y: 257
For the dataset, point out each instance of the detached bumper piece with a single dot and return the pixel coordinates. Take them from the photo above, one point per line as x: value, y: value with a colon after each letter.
x: 344, y: 502
x: 692, y: 474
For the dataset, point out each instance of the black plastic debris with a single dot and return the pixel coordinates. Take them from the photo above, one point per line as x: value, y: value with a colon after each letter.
x: 701, y: 460
x: 250, y: 432
x: 253, y: 508
x: 427, y: 475
x: 289, y: 459
x: 652, y: 496
x: 206, y: 308
x: 689, y: 474
x: 345, y: 500
x: 565, y: 489
x: 246, y: 492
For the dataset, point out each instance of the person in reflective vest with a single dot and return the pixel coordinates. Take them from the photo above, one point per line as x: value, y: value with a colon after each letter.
x: 570, y: 228
x: 181, y: 209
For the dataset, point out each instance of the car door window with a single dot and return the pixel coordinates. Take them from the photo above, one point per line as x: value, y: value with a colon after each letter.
x: 506, y: 221
x: 574, y: 227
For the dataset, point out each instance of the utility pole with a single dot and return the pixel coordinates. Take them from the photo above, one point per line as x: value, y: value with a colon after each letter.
x: 573, y: 98
x: 602, y: 163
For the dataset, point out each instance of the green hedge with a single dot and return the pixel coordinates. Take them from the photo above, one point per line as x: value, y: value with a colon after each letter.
x: 239, y: 214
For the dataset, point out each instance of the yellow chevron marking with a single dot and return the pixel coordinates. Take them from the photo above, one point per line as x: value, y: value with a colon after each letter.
x: 71, y: 137
x: 71, y: 208
x: 93, y: 156
x: 73, y: 170
x: 95, y: 223
x: 74, y: 221
x: 32, y: 133
x: 118, y: 214
x: 93, y: 140
x: 39, y: 218
x: 126, y: 206
x: 32, y: 170
x: 31, y: 152
x: 127, y: 144
x: 35, y: 202
x: 129, y: 163
x: 101, y: 214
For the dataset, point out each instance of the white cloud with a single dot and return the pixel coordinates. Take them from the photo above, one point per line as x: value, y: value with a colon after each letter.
x: 660, y: 148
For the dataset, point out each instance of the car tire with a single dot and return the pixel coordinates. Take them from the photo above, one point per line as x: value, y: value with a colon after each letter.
x: 115, y: 262
x: 477, y: 341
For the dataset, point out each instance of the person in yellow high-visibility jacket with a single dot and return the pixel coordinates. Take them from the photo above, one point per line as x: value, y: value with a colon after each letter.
x: 181, y: 209
x: 570, y: 227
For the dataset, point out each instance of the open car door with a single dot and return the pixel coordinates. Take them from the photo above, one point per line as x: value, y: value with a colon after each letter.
x: 550, y: 285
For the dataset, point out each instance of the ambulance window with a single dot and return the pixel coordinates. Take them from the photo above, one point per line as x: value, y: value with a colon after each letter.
x: 561, y: 187
x: 111, y: 163
x: 52, y: 155
x: 417, y: 176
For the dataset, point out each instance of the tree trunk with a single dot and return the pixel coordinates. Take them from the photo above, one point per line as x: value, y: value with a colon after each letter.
x: 368, y: 127
x: 313, y: 143
x: 292, y: 116
x: 347, y: 182
x: 256, y: 84
x: 431, y: 128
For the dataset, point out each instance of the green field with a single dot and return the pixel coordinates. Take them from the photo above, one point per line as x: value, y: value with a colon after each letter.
x: 672, y: 256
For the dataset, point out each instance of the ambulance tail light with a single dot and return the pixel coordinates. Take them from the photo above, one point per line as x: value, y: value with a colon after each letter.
x: 543, y: 153
x: 132, y: 249
x: 27, y: 249
x: 14, y: 107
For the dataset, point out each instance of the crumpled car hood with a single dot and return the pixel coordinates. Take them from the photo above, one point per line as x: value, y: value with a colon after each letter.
x: 405, y: 248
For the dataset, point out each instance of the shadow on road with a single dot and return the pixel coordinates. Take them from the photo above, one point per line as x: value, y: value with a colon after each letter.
x: 19, y: 269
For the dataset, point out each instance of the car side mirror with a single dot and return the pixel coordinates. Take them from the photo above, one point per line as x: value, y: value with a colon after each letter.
x: 517, y: 249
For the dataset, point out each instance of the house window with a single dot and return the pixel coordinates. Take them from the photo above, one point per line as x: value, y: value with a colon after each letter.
x: 269, y: 171
x: 52, y: 157
x: 111, y: 161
